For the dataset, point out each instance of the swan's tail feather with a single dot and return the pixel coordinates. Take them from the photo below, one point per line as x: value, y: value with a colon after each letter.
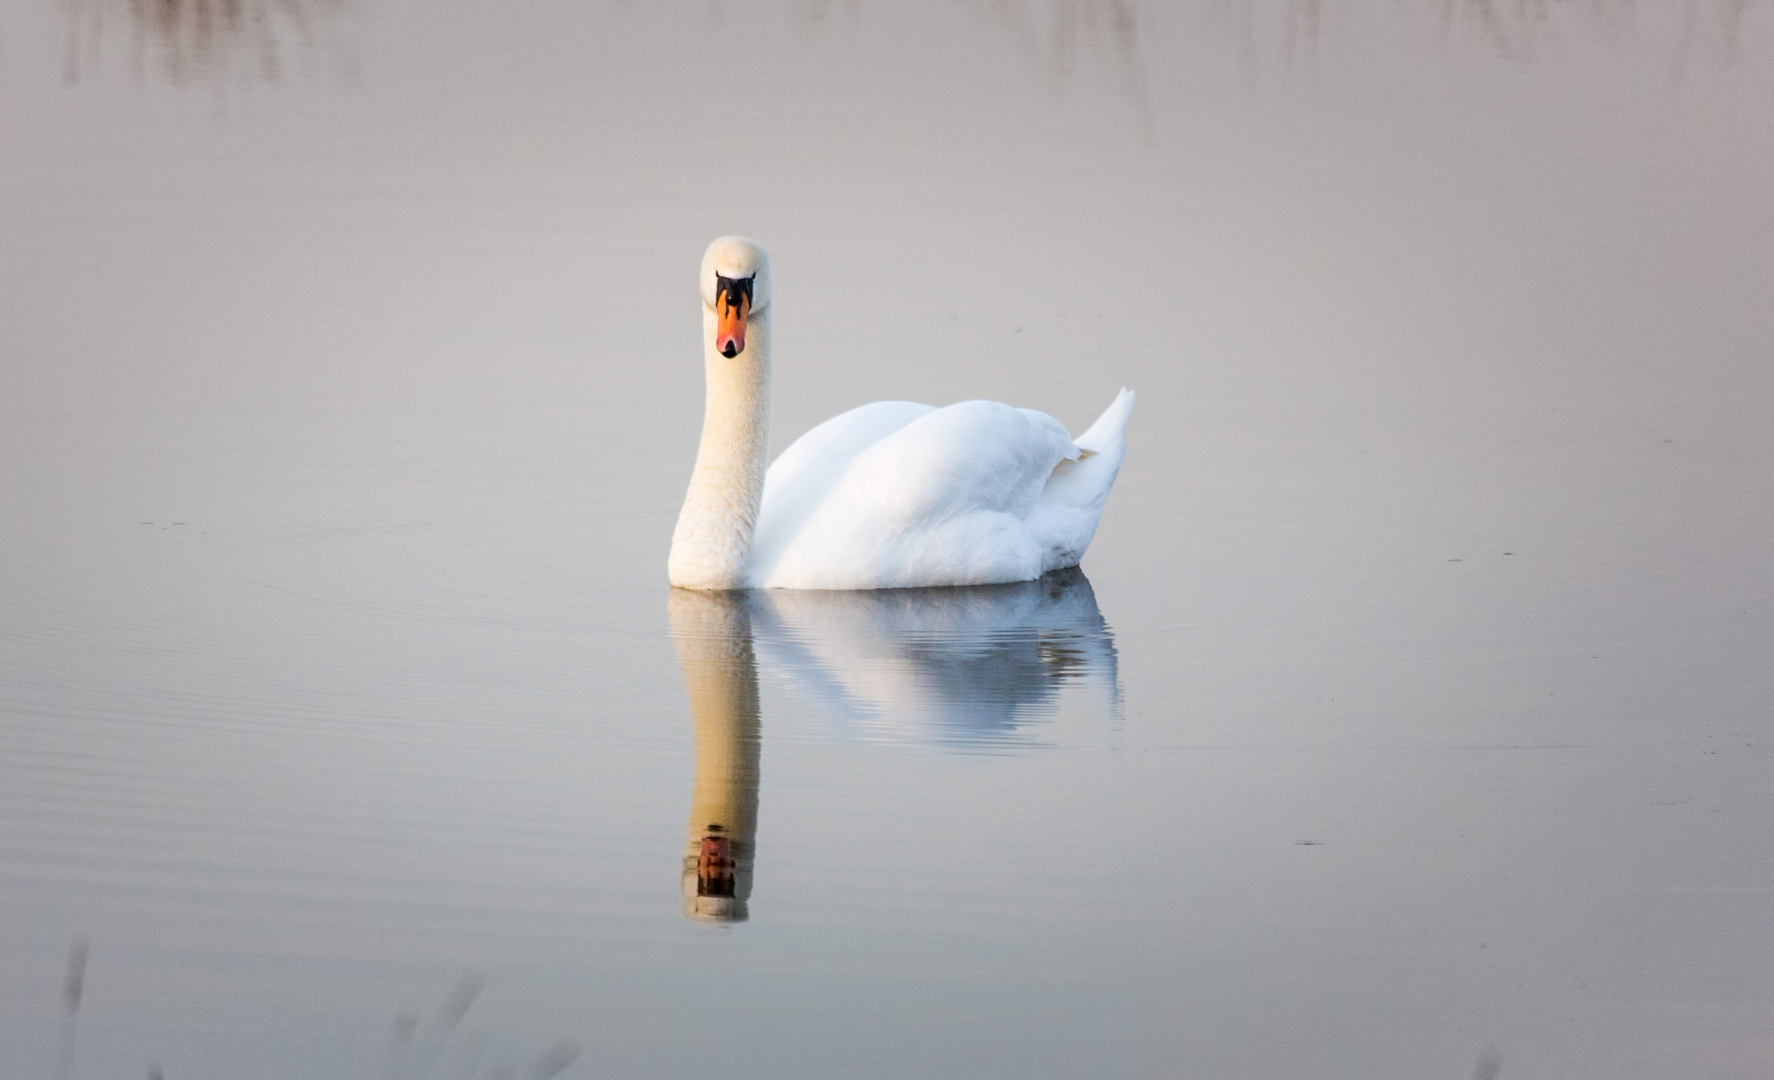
x: 1085, y: 483
x: 1072, y: 502
x: 1105, y: 435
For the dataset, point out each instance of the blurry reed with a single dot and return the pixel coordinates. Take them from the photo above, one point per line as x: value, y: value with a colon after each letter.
x: 191, y: 41
x: 1069, y: 36
x: 1490, y: 1063
x: 421, y: 1047
x: 417, y: 1050
x: 221, y: 41
x: 73, y: 988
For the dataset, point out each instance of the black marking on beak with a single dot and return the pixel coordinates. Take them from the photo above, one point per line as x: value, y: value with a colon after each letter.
x: 732, y: 289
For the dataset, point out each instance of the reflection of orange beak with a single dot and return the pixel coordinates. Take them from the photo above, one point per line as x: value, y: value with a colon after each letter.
x: 715, y: 867
x: 730, y: 325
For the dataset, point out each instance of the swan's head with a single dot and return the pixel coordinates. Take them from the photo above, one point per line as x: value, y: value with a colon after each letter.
x: 735, y: 286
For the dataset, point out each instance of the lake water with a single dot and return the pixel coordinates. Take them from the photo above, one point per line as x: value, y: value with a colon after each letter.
x: 1412, y: 715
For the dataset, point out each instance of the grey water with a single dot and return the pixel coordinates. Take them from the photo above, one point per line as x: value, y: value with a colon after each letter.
x: 1410, y: 716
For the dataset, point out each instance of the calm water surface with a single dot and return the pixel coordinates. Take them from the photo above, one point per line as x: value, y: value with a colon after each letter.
x: 1413, y: 720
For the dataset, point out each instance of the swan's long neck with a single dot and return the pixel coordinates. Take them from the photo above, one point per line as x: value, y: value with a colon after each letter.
x: 711, y: 547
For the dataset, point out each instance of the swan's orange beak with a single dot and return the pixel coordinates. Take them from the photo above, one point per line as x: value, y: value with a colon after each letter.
x: 731, y: 308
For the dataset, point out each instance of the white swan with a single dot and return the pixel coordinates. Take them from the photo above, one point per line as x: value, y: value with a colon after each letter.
x: 889, y: 495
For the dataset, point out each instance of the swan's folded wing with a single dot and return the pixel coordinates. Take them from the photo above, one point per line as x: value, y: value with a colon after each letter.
x: 941, y: 501
x: 843, y: 437
x: 972, y: 456
x: 801, y: 478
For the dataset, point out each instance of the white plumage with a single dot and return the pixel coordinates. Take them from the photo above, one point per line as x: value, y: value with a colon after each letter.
x: 889, y: 495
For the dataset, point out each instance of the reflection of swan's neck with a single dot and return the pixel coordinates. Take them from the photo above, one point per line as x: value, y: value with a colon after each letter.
x: 711, y: 547
x: 713, y: 636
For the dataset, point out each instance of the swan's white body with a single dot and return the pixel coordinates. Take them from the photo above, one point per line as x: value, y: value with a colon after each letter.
x: 889, y: 495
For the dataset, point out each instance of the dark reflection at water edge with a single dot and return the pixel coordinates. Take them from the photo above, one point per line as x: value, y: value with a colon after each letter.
x: 1526, y: 31
x: 1129, y: 40
x: 1068, y: 36
x: 185, y: 42
x: 1065, y: 37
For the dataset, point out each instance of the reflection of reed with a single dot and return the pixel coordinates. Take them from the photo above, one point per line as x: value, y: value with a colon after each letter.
x: 187, y: 41
x: 1521, y: 29
x: 72, y: 988
x: 1071, y: 34
x: 418, y: 1046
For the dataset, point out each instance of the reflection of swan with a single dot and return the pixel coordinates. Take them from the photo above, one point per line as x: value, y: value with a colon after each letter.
x: 713, y: 636
x: 890, y: 495
x: 958, y: 667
